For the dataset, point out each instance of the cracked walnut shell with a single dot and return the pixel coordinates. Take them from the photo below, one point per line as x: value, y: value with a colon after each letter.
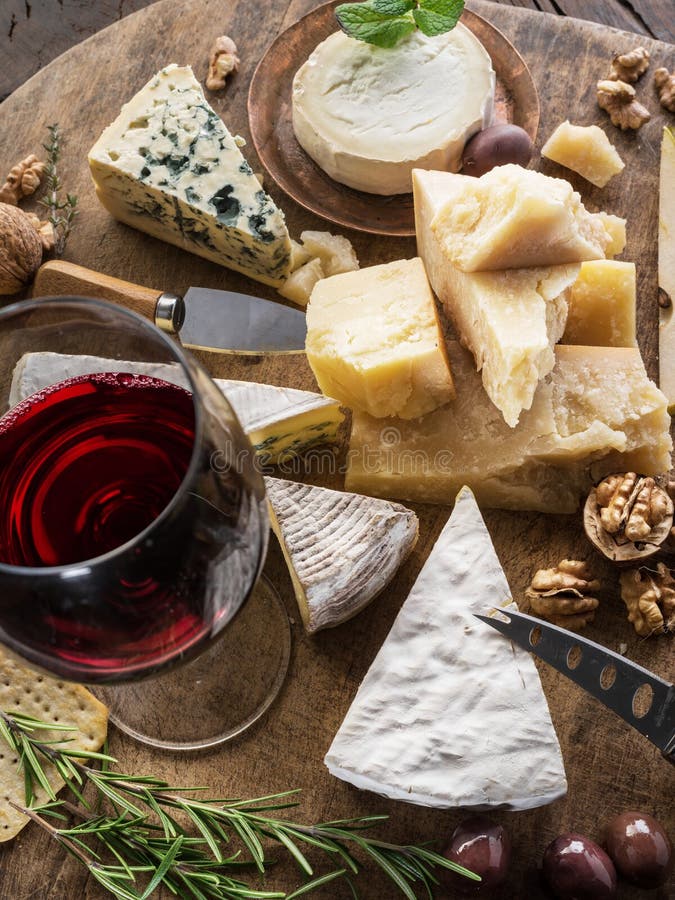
x: 618, y: 99
x: 563, y: 595
x: 629, y: 66
x: 20, y: 249
x: 649, y: 595
x: 627, y: 517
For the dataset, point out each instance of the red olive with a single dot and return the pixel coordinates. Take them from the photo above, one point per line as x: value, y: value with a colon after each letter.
x: 577, y: 869
x: 640, y: 848
x: 483, y: 847
x: 496, y: 146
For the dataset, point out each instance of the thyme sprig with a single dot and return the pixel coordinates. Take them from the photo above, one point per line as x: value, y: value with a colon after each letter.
x: 62, y: 213
x: 142, y: 833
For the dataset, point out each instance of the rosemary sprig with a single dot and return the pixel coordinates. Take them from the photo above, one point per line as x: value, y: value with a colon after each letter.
x: 142, y: 833
x: 62, y: 213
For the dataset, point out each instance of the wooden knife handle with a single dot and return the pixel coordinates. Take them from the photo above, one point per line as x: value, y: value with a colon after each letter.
x: 58, y: 278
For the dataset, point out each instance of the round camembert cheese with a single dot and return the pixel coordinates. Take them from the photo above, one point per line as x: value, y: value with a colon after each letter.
x: 368, y: 115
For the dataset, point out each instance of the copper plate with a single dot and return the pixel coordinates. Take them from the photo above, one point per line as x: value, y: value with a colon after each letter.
x: 269, y: 111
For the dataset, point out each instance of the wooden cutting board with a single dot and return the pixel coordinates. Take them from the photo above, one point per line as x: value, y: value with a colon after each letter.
x: 609, y: 767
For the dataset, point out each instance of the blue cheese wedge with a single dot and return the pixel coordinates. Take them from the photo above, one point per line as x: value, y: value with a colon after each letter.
x: 450, y: 713
x: 280, y: 422
x: 168, y: 166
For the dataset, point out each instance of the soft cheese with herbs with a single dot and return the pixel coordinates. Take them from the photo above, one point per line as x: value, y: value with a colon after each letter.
x: 168, y: 166
x: 368, y: 115
x: 449, y: 713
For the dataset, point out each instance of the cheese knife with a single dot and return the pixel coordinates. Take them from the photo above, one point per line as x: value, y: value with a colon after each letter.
x: 204, y: 319
x: 555, y: 645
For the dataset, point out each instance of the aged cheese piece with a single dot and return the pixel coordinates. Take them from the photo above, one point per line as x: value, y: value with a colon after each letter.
x: 602, y: 305
x: 368, y: 115
x: 341, y: 549
x: 596, y: 413
x: 616, y: 229
x: 168, y: 166
x: 509, y: 218
x: 509, y: 320
x: 449, y: 714
x: 374, y: 341
x: 667, y: 267
x: 279, y: 422
x: 585, y: 149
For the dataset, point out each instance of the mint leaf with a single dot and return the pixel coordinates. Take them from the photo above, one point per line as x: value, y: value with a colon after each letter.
x: 393, y: 7
x: 437, y: 16
x: 363, y: 22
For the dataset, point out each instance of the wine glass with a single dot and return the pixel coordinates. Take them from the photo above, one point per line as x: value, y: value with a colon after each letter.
x: 133, y: 525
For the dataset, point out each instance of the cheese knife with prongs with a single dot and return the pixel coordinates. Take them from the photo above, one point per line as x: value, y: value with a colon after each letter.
x: 561, y: 649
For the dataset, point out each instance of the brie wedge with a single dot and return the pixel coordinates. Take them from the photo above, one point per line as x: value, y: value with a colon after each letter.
x: 369, y: 115
x: 451, y: 713
x: 341, y: 549
x: 280, y: 422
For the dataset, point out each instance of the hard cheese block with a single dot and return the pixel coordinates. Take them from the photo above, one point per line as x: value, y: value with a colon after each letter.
x: 168, y: 166
x: 374, y: 341
x: 341, y: 549
x: 279, y: 422
x: 602, y: 305
x: 585, y: 149
x: 509, y: 320
x: 513, y: 217
x: 451, y: 713
x: 368, y: 115
x: 597, y: 413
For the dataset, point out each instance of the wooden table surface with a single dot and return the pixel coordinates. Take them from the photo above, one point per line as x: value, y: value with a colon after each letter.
x: 36, y: 32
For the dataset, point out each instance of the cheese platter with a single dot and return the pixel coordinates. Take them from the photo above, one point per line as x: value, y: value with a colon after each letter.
x: 606, y: 766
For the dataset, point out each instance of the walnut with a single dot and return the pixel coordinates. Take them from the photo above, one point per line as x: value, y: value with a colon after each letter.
x: 665, y: 85
x: 563, y: 595
x: 222, y: 62
x: 44, y: 229
x: 649, y: 596
x: 618, y: 99
x: 23, y: 180
x: 20, y: 249
x: 628, y: 517
x: 629, y: 66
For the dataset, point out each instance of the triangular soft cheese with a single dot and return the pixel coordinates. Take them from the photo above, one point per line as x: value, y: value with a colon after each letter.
x: 451, y: 713
x: 341, y: 549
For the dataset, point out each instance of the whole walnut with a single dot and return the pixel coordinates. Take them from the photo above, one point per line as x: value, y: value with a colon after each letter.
x: 20, y: 249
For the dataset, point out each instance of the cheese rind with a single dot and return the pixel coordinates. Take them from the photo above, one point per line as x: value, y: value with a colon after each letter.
x: 374, y: 341
x: 511, y: 218
x: 368, y: 115
x: 597, y: 413
x: 450, y: 713
x: 584, y: 149
x: 168, y: 166
x: 602, y: 305
x: 279, y: 422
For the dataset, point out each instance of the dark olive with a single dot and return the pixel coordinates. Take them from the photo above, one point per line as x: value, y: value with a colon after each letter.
x: 577, y: 869
x: 483, y: 847
x: 496, y: 146
x: 640, y: 848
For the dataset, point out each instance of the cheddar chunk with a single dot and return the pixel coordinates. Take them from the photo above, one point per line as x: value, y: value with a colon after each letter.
x: 602, y: 305
x: 374, y: 341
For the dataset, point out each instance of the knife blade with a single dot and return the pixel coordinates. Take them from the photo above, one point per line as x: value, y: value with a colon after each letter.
x: 555, y: 645
x: 204, y: 319
x: 666, y: 248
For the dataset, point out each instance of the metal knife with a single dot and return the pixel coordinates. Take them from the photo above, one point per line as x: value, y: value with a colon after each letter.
x: 204, y: 319
x: 667, y: 267
x: 554, y: 646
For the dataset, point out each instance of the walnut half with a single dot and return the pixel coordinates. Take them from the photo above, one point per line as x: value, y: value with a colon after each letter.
x: 563, y: 595
x: 649, y: 595
x: 629, y: 66
x: 618, y: 99
x: 628, y: 517
x: 665, y: 86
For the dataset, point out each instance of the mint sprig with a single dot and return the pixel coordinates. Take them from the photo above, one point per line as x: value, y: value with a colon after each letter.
x: 385, y: 22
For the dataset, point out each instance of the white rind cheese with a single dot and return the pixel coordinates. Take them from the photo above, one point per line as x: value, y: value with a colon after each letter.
x: 369, y: 115
x: 168, y: 166
x: 280, y: 422
x: 451, y: 713
x: 341, y: 549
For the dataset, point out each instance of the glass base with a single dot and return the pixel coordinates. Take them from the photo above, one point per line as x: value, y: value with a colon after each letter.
x: 220, y: 694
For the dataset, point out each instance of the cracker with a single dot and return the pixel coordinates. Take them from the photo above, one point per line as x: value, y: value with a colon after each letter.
x: 43, y: 697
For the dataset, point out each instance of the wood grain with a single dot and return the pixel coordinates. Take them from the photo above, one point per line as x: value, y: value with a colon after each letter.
x: 609, y: 767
